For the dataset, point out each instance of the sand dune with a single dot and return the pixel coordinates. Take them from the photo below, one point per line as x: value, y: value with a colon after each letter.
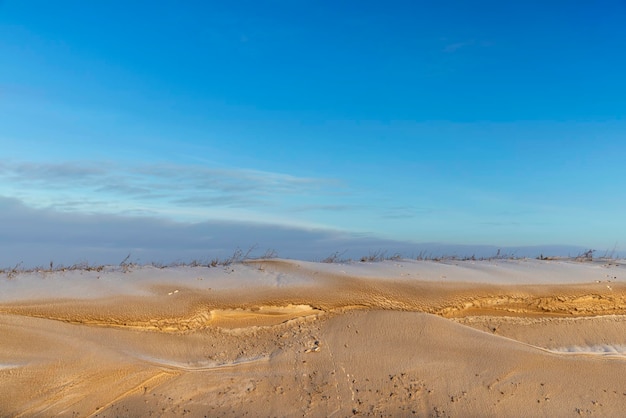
x: 289, y: 338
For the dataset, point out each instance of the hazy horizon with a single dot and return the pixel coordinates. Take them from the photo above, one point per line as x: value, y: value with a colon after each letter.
x: 67, y: 239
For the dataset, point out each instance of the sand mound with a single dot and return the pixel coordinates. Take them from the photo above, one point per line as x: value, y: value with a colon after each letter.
x: 299, y: 339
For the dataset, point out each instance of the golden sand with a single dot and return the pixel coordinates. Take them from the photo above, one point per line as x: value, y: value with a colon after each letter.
x: 301, y: 339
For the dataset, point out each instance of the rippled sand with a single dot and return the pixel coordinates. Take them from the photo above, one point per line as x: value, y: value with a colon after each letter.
x: 289, y: 338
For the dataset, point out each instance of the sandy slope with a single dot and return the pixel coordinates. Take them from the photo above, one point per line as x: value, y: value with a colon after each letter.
x: 287, y: 338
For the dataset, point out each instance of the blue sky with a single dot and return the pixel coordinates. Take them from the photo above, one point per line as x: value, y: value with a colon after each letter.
x: 474, y: 123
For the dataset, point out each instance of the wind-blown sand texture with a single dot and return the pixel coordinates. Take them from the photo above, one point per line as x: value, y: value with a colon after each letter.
x: 289, y: 338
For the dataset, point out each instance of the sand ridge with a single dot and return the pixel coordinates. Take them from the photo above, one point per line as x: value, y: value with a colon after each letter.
x: 192, y: 309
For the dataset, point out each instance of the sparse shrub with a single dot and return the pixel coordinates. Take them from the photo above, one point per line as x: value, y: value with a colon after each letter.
x: 125, y: 265
x: 269, y: 253
x: 334, y: 257
x: 15, y: 271
x: 585, y: 256
x: 238, y: 256
x: 374, y: 256
x: 380, y: 256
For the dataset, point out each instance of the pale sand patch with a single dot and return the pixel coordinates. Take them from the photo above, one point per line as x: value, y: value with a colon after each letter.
x: 285, y: 338
x: 556, y: 334
x: 260, y: 316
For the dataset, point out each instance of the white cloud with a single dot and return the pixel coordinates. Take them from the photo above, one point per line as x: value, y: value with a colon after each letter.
x: 115, y: 188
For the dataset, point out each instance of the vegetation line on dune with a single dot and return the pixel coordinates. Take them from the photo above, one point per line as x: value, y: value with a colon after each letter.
x: 239, y: 256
